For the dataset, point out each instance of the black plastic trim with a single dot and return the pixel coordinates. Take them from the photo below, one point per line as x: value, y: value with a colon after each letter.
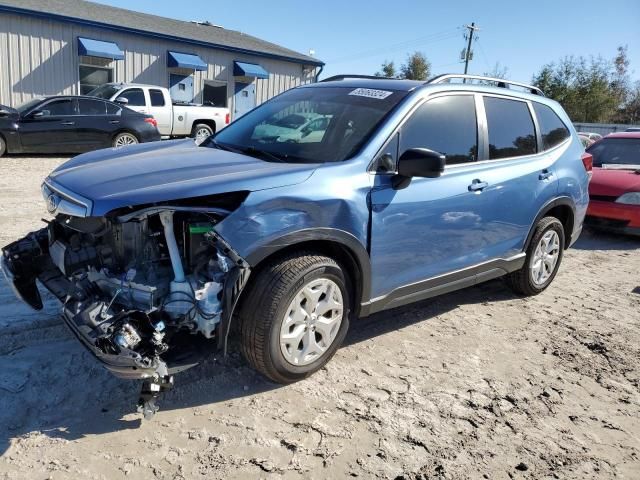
x: 561, y: 201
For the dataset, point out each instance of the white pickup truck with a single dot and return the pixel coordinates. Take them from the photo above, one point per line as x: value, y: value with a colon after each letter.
x: 174, y: 120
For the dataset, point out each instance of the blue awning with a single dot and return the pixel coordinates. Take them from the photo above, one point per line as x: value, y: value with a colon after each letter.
x: 241, y: 69
x: 185, y: 60
x: 98, y: 48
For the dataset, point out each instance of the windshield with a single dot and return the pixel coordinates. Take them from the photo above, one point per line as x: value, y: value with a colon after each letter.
x: 25, y: 107
x: 616, y: 151
x: 311, y: 124
x: 105, y: 91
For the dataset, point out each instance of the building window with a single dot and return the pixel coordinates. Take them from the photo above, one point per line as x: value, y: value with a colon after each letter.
x: 214, y: 93
x: 92, y: 77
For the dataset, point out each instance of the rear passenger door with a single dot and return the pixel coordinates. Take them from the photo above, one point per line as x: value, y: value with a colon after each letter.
x: 93, y: 127
x: 161, y: 110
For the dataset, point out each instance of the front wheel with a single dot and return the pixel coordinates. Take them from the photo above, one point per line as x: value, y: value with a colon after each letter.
x: 544, y: 256
x: 3, y: 147
x: 123, y: 139
x: 295, y: 316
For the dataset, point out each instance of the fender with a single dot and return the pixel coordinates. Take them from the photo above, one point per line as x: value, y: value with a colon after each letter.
x: 547, y: 207
x: 352, y: 245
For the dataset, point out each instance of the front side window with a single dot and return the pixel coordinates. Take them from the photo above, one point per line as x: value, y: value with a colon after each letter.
x: 91, y: 107
x: 310, y: 124
x: 135, y: 97
x: 552, y: 129
x: 157, y: 98
x: 92, y: 77
x: 57, y: 108
x: 511, y: 130
x: 446, y: 125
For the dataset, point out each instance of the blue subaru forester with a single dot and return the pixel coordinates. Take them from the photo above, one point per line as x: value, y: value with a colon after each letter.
x: 329, y: 202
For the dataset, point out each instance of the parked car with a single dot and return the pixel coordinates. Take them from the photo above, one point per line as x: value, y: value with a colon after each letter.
x: 594, y: 137
x: 615, y: 187
x: 70, y: 124
x: 633, y: 129
x: 174, y: 120
x: 414, y: 189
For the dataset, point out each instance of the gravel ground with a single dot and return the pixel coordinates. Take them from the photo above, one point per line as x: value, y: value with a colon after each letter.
x: 474, y: 384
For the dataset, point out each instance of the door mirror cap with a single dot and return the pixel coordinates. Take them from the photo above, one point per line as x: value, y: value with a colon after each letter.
x: 122, y: 100
x: 37, y: 114
x: 421, y: 162
x: 5, y: 112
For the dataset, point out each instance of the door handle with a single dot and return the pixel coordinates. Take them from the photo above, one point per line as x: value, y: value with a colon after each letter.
x: 477, y: 186
x: 114, y: 122
x: 545, y: 175
x: 68, y: 123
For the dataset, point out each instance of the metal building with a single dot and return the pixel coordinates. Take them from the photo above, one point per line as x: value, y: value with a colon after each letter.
x: 50, y: 47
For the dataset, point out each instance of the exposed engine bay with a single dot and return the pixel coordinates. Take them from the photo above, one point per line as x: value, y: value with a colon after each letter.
x: 135, y: 288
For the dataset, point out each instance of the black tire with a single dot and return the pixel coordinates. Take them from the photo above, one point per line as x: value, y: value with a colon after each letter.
x: 265, y: 308
x: 201, y: 127
x: 521, y: 281
x: 3, y: 146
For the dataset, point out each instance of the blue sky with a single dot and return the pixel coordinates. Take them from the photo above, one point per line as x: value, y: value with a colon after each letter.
x: 356, y: 36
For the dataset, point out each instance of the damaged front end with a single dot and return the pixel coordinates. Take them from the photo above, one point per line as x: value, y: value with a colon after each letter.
x: 146, y: 290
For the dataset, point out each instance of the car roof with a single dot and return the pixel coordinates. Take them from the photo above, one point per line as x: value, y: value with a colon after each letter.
x: 624, y: 135
x: 376, y: 84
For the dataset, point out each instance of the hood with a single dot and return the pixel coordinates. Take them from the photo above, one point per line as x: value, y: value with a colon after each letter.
x: 613, y: 183
x: 165, y: 171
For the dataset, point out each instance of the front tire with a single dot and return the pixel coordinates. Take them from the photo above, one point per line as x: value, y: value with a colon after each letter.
x: 123, y: 139
x: 295, y: 316
x: 544, y: 256
x: 3, y: 146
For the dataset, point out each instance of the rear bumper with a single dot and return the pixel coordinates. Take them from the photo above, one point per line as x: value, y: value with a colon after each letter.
x: 614, y: 216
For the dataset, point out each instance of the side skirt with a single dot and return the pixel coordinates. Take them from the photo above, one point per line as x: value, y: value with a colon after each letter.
x: 442, y: 284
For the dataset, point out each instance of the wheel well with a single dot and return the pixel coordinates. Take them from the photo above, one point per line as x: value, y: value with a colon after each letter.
x: 565, y: 214
x: 124, y: 130
x: 335, y: 250
x: 208, y: 122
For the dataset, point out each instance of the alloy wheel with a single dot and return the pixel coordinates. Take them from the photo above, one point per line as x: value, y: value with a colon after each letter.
x: 545, y: 257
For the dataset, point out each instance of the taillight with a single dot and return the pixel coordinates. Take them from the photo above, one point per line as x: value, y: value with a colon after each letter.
x: 152, y: 121
x: 227, y: 118
x: 587, y: 161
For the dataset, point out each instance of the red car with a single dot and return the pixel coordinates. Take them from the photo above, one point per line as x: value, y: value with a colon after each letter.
x: 615, y: 187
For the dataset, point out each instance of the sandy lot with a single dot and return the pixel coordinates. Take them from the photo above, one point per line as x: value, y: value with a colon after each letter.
x: 475, y: 384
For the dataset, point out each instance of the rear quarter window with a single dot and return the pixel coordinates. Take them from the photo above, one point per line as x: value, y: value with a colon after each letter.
x: 552, y: 129
x: 511, y: 130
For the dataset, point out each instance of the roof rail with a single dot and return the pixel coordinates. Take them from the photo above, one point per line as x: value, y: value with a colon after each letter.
x: 342, y: 77
x: 498, y: 81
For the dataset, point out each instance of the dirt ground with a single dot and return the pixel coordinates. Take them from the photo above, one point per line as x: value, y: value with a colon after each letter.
x: 474, y: 384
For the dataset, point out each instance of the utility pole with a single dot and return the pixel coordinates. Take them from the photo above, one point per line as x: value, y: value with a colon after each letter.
x: 472, y: 28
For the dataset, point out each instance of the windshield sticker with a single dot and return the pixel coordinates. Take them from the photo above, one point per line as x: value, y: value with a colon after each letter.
x: 371, y: 93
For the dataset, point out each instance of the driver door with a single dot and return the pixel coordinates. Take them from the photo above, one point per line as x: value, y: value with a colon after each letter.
x: 50, y: 128
x: 432, y: 226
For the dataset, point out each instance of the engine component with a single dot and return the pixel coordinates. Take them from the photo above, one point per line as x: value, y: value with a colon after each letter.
x: 69, y: 260
x: 208, y: 308
x: 132, y: 294
x: 127, y: 337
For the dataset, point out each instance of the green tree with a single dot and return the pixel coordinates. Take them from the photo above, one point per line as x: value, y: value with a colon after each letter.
x: 387, y: 69
x: 417, y: 67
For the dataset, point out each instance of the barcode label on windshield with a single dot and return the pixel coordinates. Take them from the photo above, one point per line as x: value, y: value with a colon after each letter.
x: 371, y: 93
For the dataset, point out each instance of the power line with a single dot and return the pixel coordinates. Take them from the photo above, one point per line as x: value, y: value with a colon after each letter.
x: 432, y: 38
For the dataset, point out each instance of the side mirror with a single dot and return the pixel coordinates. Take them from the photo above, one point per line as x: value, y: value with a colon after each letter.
x: 421, y: 162
x: 122, y: 100
x: 38, y: 113
x: 4, y: 112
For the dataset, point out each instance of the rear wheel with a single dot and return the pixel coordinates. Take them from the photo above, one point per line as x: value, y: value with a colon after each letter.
x: 295, y: 316
x: 201, y: 132
x: 3, y: 146
x: 544, y: 256
x: 123, y: 139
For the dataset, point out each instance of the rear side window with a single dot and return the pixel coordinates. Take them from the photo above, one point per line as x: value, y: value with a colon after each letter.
x: 135, y: 97
x: 113, y: 109
x: 553, y: 130
x: 157, y: 98
x: 445, y: 124
x: 511, y: 131
x: 91, y: 107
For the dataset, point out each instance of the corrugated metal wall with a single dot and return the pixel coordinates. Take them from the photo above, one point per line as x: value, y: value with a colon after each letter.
x: 40, y: 57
